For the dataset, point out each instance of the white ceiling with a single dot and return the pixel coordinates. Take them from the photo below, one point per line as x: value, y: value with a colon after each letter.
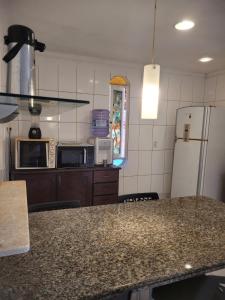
x: 122, y: 29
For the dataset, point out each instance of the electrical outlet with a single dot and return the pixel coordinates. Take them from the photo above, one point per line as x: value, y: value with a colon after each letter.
x: 155, y: 144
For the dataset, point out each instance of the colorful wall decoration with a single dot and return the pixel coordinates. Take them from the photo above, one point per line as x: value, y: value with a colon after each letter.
x: 119, y: 94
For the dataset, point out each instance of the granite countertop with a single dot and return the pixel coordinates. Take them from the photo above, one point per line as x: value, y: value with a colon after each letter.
x: 94, y: 252
x: 14, y: 227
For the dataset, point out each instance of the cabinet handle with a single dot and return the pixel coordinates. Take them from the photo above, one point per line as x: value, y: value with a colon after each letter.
x: 59, y: 179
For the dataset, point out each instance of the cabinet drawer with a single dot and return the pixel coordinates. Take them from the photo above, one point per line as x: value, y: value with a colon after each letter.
x: 105, y: 188
x: 101, y: 200
x: 106, y: 176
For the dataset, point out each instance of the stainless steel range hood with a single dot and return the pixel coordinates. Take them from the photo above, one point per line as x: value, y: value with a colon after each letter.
x: 20, y: 61
x: 21, y: 83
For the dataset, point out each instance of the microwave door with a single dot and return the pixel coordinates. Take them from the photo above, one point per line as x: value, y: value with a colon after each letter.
x: 33, y: 154
x: 69, y: 157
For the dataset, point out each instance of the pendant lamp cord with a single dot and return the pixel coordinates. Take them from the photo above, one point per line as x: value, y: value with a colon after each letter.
x: 153, y: 40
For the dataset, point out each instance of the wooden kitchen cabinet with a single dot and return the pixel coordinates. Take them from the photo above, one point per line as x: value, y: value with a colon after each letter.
x: 41, y: 186
x: 75, y: 186
x: 89, y: 186
x: 105, y: 186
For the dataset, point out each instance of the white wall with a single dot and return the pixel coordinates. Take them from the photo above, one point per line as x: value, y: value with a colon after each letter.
x: 3, y: 139
x: 215, y: 89
x: 151, y: 143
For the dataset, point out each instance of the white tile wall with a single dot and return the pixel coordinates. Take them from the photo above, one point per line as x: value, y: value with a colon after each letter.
x: 187, y: 88
x: 210, y: 89
x: 220, y: 88
x: 170, y: 137
x: 145, y: 137
x: 102, y: 77
x: 135, y: 79
x: 167, y: 178
x: 131, y: 167
x: 157, y: 183
x: 215, y: 89
x: 121, y: 179
x: 198, y: 89
x: 150, y: 142
x: 174, y: 87
x: 168, y: 161
x: 144, y: 184
x: 133, y: 137
x: 83, y: 132
x: 162, y: 113
x: 48, y: 74
x: 67, y: 132
x: 159, y: 137
x: 171, y: 112
x: 144, y: 162
x: 101, y: 101
x: 158, y: 163
x: 84, y: 112
x: 163, y: 88
x: 67, y: 112
x: 85, y: 78
x: 134, y: 113
x: 156, y: 138
x: 130, y: 185
x: 67, y: 76
x: 50, y: 129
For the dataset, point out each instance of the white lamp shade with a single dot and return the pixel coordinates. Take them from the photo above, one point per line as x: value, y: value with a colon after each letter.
x: 150, y: 92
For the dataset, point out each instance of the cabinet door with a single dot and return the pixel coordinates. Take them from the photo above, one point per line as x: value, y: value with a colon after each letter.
x: 75, y: 186
x: 41, y: 187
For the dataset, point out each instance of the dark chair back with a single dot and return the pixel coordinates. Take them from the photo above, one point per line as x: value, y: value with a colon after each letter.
x: 53, y: 206
x: 138, y: 197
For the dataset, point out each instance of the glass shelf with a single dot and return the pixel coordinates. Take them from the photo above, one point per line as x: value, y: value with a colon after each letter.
x: 26, y: 100
x: 13, y: 104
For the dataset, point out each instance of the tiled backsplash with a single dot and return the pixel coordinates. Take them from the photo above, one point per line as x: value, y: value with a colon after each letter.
x: 215, y: 89
x: 151, y: 143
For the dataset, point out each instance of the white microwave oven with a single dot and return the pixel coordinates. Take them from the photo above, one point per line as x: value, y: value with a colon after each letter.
x: 103, y: 149
x: 34, y: 153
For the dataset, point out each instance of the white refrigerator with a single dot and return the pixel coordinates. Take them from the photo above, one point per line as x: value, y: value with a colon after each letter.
x: 199, y: 154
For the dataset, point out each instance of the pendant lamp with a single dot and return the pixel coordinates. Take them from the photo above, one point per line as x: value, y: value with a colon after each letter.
x: 151, y: 76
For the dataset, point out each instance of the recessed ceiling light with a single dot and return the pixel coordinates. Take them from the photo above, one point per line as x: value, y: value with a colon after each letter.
x: 205, y: 59
x: 184, y: 25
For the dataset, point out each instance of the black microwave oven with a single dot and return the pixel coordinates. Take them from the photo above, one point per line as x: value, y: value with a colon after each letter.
x: 75, y: 155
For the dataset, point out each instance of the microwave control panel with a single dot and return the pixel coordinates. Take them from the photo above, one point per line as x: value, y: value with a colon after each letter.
x: 51, y: 163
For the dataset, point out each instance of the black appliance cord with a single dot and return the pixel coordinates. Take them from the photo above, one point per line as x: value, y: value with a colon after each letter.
x: 9, y: 129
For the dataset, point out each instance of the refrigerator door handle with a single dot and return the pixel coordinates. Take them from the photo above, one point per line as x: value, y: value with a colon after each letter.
x: 198, y: 140
x: 201, y: 170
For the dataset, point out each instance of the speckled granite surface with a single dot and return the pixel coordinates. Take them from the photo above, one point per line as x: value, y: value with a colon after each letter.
x: 14, y: 227
x: 89, y: 253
